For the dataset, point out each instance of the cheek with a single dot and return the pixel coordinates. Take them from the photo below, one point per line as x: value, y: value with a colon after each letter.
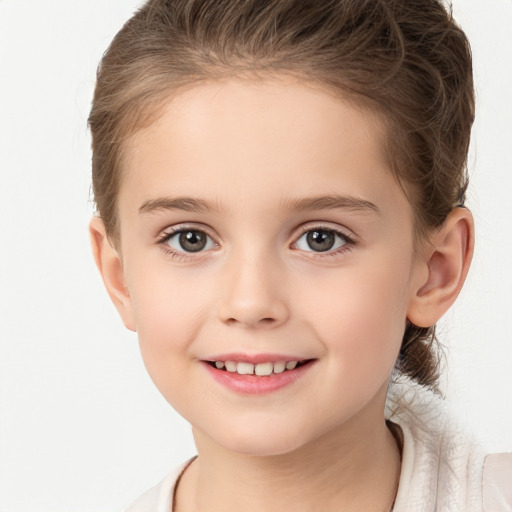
x: 169, y: 312
x: 360, y: 320
x: 359, y: 315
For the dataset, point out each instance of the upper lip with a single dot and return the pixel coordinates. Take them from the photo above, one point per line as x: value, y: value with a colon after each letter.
x: 255, y: 358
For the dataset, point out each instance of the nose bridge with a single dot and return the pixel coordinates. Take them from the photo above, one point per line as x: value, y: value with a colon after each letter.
x: 254, y: 294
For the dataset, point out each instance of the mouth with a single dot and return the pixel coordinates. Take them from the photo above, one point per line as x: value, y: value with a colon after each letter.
x: 264, y: 369
x: 259, y: 377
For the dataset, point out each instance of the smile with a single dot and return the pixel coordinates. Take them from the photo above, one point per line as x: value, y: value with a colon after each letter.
x: 260, y: 369
x: 259, y: 376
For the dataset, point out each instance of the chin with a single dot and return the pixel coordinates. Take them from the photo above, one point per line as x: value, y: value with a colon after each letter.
x: 260, y: 441
x: 262, y: 447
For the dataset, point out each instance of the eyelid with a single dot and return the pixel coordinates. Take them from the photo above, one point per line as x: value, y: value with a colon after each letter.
x: 166, y: 234
x: 346, y: 234
x: 310, y: 226
x: 169, y: 231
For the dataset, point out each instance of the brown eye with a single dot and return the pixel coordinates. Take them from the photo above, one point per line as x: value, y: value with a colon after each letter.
x: 321, y: 240
x: 190, y: 240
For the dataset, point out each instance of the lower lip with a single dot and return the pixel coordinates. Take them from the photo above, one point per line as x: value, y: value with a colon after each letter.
x: 254, y: 385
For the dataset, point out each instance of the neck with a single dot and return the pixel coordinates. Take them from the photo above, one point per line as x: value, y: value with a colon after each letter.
x: 353, y: 466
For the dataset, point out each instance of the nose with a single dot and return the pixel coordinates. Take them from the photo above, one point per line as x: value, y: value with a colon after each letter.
x: 254, y: 294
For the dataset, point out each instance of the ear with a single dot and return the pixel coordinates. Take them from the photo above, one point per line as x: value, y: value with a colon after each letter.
x: 445, y: 261
x: 111, y: 269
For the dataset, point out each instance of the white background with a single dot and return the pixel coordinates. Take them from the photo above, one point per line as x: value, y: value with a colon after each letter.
x: 81, y: 426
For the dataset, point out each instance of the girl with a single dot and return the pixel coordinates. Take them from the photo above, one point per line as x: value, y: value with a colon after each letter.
x: 280, y: 190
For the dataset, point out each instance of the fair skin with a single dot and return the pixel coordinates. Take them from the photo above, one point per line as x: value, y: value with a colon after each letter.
x: 302, y: 248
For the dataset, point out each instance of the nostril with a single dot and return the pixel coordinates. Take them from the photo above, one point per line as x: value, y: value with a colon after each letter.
x: 261, y: 321
x: 253, y: 313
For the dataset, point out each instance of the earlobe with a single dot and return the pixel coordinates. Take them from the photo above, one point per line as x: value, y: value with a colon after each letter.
x: 110, y: 266
x: 447, y: 259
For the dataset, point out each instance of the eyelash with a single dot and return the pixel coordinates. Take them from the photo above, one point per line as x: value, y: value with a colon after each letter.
x: 350, y: 242
x: 172, y: 232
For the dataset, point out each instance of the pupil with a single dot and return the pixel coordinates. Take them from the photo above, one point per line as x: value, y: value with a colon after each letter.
x: 320, y: 240
x: 192, y: 241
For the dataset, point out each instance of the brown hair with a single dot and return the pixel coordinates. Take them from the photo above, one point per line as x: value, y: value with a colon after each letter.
x: 406, y: 58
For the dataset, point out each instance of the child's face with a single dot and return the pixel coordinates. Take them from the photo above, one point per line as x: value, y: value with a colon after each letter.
x: 260, y: 222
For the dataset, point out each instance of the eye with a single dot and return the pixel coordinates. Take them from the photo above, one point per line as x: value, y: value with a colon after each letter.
x: 189, y: 240
x: 321, y: 240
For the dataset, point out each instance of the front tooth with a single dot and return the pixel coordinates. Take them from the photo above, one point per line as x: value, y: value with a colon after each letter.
x: 290, y: 365
x: 230, y: 366
x: 245, y: 368
x: 263, y: 369
x: 279, y: 367
x: 219, y: 365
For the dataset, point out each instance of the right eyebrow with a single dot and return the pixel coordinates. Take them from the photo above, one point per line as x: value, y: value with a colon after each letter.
x: 187, y: 204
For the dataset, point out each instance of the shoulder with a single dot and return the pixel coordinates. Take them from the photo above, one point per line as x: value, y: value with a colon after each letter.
x: 442, y: 465
x: 160, y: 497
x: 497, y: 482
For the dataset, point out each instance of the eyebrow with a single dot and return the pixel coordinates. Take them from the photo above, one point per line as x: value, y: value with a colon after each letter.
x: 331, y: 202
x: 301, y: 204
x: 187, y: 204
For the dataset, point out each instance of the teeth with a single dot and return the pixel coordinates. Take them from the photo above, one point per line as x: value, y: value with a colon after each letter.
x: 264, y: 368
x: 245, y: 369
x: 279, y: 367
x: 261, y: 369
x: 230, y: 366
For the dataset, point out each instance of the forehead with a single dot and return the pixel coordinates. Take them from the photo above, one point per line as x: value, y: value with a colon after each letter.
x: 257, y: 140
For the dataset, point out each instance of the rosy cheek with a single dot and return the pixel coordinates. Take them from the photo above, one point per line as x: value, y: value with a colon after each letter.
x: 167, y: 313
x: 354, y: 309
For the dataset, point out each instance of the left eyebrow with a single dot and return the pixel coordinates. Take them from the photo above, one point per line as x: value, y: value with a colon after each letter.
x: 330, y: 202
